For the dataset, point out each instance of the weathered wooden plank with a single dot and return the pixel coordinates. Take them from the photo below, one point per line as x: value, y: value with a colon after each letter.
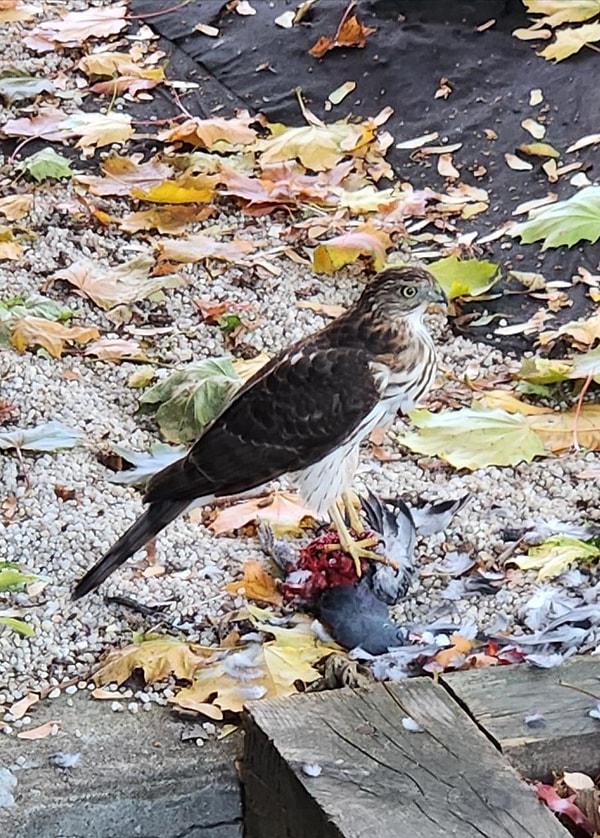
x: 379, y: 780
x: 500, y: 698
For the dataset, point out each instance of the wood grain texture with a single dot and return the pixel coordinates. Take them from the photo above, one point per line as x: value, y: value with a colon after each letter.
x: 500, y: 699
x: 379, y: 780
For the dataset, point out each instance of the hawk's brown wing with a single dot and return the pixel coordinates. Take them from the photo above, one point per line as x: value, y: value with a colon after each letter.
x: 289, y: 415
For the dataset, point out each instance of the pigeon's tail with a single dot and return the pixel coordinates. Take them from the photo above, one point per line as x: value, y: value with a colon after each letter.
x: 154, y: 519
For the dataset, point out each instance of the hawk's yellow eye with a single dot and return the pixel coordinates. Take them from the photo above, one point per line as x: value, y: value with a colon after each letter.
x: 409, y: 291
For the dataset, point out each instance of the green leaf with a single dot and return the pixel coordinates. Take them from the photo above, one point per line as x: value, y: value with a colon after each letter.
x: 473, y: 437
x: 564, y: 222
x: 51, y: 436
x: 189, y: 399
x: 147, y: 464
x: 587, y: 365
x: 12, y: 577
x: 16, y: 84
x: 34, y: 306
x: 556, y: 555
x: 47, y: 164
x: 466, y: 277
x: 17, y: 625
x: 544, y: 371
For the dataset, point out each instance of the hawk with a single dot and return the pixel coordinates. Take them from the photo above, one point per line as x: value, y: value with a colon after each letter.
x: 304, y: 415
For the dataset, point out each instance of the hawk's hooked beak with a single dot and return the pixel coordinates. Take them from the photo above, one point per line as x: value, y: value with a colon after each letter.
x: 437, y: 295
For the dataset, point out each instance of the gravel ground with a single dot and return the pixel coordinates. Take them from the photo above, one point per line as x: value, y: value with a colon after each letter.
x: 59, y: 538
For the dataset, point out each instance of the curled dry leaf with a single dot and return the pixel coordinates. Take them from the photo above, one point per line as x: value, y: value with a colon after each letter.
x: 116, y: 349
x: 256, y: 584
x: 51, y: 336
x: 122, y: 174
x: 366, y: 240
x: 281, y: 510
x: 350, y: 34
x: 214, y: 132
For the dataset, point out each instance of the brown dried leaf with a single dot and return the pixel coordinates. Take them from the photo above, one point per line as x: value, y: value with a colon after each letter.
x: 15, y: 207
x: 350, y: 34
x: 52, y: 336
x: 74, y: 28
x: 281, y: 510
x: 116, y: 349
x: 199, y: 246
x: 20, y: 708
x: 256, y: 583
x: 122, y: 174
x: 208, y: 133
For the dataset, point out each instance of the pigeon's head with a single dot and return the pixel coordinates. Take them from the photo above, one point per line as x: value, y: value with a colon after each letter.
x: 401, y: 291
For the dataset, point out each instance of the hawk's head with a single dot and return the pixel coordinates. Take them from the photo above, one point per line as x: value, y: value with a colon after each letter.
x: 401, y: 291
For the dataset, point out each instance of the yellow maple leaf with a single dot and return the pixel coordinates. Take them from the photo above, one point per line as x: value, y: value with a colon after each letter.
x: 366, y: 240
x: 157, y: 657
x: 188, y: 189
x: 571, y: 40
x: 52, y: 336
x: 96, y: 130
x: 562, y: 11
x: 318, y: 147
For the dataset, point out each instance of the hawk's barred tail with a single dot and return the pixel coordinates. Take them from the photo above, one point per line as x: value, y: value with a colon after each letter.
x: 154, y: 519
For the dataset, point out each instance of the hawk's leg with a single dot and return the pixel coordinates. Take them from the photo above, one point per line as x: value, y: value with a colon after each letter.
x: 357, y: 550
x: 352, y: 512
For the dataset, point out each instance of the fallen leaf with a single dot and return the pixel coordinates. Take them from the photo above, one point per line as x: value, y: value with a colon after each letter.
x: 454, y: 655
x: 327, y: 310
x: 49, y: 436
x: 558, y: 12
x: 9, y: 247
x: 536, y: 203
x: 350, y: 34
x: 13, y: 11
x: 122, y: 174
x: 570, y: 40
x: 556, y: 555
x: 123, y: 285
x: 157, y: 657
x: 564, y: 222
x: 417, y: 142
x: 74, y: 28
x: 199, y: 246
x: 50, y: 335
x: 46, y: 164
x: 256, y: 584
x: 214, y: 133
x: 42, y: 731
x: 532, y: 34
x: 17, y: 85
x: 281, y: 510
x: 557, y: 430
x: 187, y: 400
x: 116, y: 349
x: 473, y: 437
x: 15, y: 207
x: 187, y: 189
x: 96, y: 130
x: 318, y: 147
x: 46, y: 125
x: 168, y: 220
x: 466, y: 277
x: 365, y: 240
